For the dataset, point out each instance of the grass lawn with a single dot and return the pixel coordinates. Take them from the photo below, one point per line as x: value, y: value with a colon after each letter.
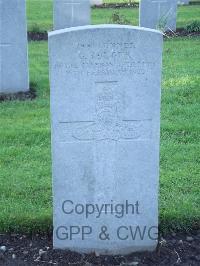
x: 25, y: 158
x: 25, y: 176
x: 40, y: 15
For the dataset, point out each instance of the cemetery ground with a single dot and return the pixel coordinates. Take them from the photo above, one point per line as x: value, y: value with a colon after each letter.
x: 25, y: 157
x: 40, y: 15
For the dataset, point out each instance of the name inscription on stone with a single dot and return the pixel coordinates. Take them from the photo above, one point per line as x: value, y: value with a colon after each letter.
x: 110, y: 58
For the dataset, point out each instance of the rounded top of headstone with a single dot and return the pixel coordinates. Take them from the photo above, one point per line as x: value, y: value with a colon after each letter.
x: 103, y: 26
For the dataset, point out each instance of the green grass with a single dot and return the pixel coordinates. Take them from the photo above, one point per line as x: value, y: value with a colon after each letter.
x: 25, y: 161
x: 180, y: 168
x: 25, y: 176
x: 40, y: 15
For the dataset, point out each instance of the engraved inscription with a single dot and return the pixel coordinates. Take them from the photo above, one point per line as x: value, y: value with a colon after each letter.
x: 105, y: 59
x: 72, y: 5
x: 5, y: 44
x: 162, y: 18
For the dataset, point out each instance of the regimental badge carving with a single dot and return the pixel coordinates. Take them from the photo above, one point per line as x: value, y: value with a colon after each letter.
x: 109, y: 123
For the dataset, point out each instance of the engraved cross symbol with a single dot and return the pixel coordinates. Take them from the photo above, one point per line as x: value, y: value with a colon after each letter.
x: 106, y: 130
x: 162, y: 18
x: 159, y: 2
x: 108, y: 124
x: 72, y: 5
x: 4, y: 44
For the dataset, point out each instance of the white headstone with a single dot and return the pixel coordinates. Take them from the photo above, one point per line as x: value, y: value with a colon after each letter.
x: 105, y: 107
x: 158, y: 14
x: 13, y: 47
x: 71, y: 13
x: 96, y: 2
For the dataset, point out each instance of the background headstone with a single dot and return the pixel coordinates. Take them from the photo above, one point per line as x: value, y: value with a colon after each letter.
x: 105, y: 106
x: 96, y: 2
x: 183, y: 2
x: 158, y: 14
x: 71, y: 13
x: 14, y: 75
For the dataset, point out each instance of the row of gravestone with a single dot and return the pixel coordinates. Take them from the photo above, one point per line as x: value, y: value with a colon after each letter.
x: 154, y: 14
x: 105, y: 109
x: 14, y: 73
x: 67, y: 13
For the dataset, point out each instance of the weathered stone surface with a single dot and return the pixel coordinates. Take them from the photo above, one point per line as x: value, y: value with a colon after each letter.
x: 96, y: 2
x: 13, y: 47
x: 183, y: 2
x: 158, y: 14
x: 71, y: 13
x: 105, y: 107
